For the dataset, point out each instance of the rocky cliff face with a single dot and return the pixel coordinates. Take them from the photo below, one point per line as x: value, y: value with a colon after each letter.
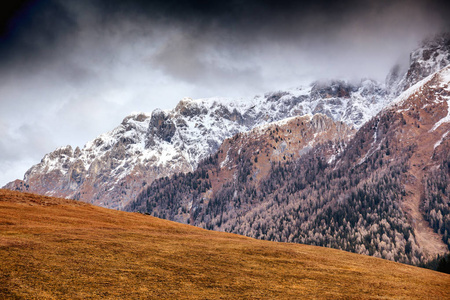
x: 112, y: 169
x: 433, y: 55
x: 107, y: 170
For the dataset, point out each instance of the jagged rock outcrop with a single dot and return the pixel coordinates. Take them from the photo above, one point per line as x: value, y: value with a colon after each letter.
x: 433, y: 55
x: 160, y: 127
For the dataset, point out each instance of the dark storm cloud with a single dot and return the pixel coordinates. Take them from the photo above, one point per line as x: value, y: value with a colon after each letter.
x: 337, y: 38
x: 34, y: 31
x: 277, y: 17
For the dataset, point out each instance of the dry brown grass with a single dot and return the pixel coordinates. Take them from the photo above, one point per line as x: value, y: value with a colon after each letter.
x: 60, y: 249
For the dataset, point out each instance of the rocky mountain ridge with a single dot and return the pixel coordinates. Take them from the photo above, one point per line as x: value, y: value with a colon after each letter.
x: 429, y: 58
x: 112, y: 169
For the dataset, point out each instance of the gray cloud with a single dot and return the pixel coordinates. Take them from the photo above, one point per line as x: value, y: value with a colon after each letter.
x: 70, y: 70
x: 20, y: 147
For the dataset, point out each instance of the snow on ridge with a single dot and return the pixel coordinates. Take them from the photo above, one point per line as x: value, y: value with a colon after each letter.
x: 441, y: 140
x: 444, y: 77
x: 263, y: 127
x: 138, y: 113
x: 406, y: 94
x: 110, y: 137
x: 445, y: 119
x: 63, y: 157
x: 211, y: 102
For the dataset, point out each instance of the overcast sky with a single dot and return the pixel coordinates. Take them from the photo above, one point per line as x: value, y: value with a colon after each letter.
x: 71, y: 70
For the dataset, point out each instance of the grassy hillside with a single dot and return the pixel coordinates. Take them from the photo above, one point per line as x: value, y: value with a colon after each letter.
x: 54, y: 248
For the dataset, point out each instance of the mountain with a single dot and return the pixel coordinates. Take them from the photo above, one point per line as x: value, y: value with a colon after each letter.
x: 110, y: 170
x: 61, y: 249
x: 383, y: 191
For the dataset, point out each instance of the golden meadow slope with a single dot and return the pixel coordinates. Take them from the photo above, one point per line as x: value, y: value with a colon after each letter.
x: 55, y: 248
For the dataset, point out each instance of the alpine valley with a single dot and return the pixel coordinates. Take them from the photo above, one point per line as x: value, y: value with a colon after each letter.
x: 363, y: 167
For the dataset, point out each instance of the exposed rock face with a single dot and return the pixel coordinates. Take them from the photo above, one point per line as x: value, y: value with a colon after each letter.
x: 160, y: 127
x: 433, y: 55
x: 111, y: 170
